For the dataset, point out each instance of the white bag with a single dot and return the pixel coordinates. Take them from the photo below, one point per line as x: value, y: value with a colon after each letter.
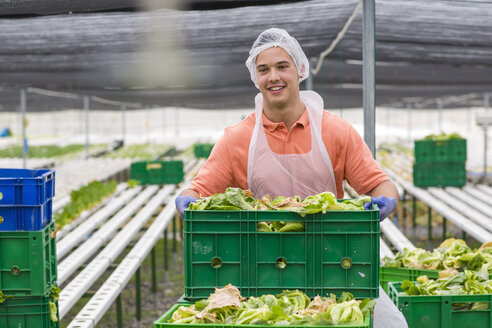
x: 386, y: 314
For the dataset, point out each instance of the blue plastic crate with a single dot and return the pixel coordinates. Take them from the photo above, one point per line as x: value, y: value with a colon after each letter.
x: 25, y: 217
x: 26, y: 199
x: 26, y: 187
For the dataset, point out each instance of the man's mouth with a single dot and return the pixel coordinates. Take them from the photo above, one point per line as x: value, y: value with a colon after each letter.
x: 276, y: 89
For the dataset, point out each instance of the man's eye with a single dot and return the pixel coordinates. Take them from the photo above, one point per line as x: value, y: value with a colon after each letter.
x: 262, y: 70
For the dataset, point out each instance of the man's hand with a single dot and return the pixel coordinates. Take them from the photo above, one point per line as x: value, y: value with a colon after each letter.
x: 386, y: 205
x: 182, y: 203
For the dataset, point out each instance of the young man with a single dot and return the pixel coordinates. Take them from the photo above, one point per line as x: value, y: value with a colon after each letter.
x: 289, y: 145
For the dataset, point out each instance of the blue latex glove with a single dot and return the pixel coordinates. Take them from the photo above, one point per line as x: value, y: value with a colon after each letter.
x: 386, y: 205
x: 182, y: 203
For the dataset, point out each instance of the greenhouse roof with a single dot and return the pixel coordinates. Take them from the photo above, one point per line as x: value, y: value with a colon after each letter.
x: 194, y: 57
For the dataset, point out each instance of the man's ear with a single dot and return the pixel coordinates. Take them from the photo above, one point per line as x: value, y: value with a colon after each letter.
x: 301, y: 71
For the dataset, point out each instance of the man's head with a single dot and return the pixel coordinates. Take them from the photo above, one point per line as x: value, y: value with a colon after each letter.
x: 275, y: 37
x: 277, y: 77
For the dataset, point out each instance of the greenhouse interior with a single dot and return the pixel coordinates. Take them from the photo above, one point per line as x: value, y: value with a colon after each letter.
x: 139, y: 186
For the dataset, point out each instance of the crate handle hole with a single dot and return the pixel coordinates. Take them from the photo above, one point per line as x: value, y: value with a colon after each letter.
x: 281, y: 263
x: 1, y: 219
x: 346, y: 263
x: 1, y: 196
x: 470, y: 306
x: 216, y: 262
x: 34, y: 238
x: 15, y: 270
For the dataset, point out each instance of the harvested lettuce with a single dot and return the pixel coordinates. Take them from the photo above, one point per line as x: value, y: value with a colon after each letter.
x: 235, y: 199
x: 452, y: 256
x: 442, y: 137
x: 291, y: 307
x: 463, y: 283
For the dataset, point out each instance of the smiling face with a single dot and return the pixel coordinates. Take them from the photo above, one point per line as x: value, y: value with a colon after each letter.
x: 277, y: 77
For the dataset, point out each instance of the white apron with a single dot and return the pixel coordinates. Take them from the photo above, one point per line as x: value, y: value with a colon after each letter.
x: 304, y: 175
x: 290, y: 174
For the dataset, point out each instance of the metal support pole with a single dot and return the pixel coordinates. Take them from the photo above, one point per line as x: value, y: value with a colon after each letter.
x: 138, y: 300
x: 404, y: 209
x: 119, y: 311
x: 309, y: 80
x: 176, y: 122
x: 463, y: 235
x: 486, y: 100
x: 175, y: 245
x: 123, y: 122
x: 443, y: 228
x: 154, y: 271
x: 409, y: 122
x: 147, y: 123
x: 23, y: 122
x: 55, y: 121
x: 429, y: 223
x: 485, y: 137
x: 86, y: 112
x: 414, y: 216
x: 166, y: 256
x: 439, y: 107
x: 368, y: 75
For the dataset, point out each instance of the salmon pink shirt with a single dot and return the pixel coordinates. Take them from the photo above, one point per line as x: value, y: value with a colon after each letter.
x: 351, y: 159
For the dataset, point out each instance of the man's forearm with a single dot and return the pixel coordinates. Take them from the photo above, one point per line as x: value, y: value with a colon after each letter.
x: 190, y: 192
x: 385, y: 188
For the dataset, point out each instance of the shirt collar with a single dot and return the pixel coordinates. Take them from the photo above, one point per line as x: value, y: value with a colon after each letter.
x: 272, y: 126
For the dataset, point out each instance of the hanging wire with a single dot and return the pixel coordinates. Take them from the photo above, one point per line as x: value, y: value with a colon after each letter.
x: 340, y: 35
x: 53, y: 93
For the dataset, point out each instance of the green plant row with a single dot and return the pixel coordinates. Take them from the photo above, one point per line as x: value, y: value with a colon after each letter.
x: 143, y: 152
x: 41, y: 151
x: 83, y: 199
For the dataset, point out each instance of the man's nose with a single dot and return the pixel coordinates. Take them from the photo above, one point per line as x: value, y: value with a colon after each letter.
x: 273, y: 75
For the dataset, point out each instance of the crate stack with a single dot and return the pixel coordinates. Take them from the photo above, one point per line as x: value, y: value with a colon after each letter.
x: 157, y: 172
x: 442, y: 311
x: 27, y: 249
x: 337, y: 252
x: 203, y: 150
x: 439, y: 163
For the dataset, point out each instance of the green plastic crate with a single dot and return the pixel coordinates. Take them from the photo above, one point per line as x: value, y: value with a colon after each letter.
x: 439, y: 175
x: 164, y: 322
x: 387, y: 274
x: 157, y: 172
x: 203, y: 150
x: 437, y: 311
x: 27, y: 312
x: 427, y: 151
x: 28, y: 262
x: 339, y: 251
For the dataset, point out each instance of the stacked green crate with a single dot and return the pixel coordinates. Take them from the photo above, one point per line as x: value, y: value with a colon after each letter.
x: 337, y: 252
x: 27, y: 275
x: 203, y: 150
x: 439, y: 311
x: 439, y: 162
x: 157, y: 172
x: 388, y: 274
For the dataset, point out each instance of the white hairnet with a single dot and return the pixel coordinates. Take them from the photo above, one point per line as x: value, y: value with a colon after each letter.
x: 276, y: 37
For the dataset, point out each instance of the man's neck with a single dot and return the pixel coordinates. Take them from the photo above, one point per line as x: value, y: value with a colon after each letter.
x: 287, y: 114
